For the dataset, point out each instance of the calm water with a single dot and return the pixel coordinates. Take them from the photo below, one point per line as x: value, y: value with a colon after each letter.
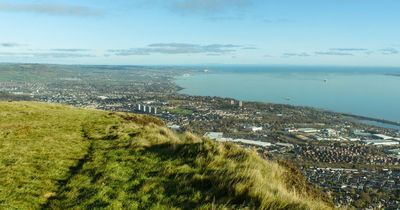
x: 369, y: 92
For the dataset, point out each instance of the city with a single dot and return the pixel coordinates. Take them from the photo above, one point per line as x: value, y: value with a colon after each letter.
x: 350, y: 161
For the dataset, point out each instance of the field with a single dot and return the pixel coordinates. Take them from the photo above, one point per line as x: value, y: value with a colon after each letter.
x: 181, y: 111
x: 58, y: 157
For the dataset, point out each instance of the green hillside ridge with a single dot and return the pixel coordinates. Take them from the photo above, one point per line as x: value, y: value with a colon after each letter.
x: 59, y: 157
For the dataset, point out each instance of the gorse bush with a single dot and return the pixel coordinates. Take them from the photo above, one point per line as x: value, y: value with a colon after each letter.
x: 57, y: 157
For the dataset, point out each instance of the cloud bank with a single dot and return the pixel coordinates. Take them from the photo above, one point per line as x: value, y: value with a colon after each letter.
x: 50, y: 9
x: 69, y: 50
x: 303, y: 54
x: 9, y: 44
x: 208, y: 6
x: 334, y: 53
x: 389, y: 51
x: 178, y: 48
x: 48, y: 55
x: 349, y: 49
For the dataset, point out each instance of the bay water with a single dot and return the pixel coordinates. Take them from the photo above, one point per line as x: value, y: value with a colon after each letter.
x: 370, y: 92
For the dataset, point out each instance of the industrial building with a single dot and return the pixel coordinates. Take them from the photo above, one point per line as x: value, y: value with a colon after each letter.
x: 381, y: 142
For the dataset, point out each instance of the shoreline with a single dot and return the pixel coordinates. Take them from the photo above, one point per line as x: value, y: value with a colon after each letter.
x: 389, y: 122
x: 361, y: 118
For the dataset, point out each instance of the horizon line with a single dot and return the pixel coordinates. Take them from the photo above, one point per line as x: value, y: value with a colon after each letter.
x: 204, y: 65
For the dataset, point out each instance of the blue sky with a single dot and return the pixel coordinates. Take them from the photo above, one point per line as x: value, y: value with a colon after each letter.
x: 259, y: 32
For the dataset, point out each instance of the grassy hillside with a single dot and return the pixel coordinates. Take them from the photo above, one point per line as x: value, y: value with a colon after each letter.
x: 57, y: 157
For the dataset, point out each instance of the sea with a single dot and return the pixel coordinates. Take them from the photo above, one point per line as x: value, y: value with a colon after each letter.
x: 366, y: 91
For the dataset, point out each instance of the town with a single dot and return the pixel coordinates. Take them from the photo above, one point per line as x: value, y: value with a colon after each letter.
x: 357, y: 164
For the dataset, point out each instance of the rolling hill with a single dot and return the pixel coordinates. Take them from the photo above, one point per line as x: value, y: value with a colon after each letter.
x: 60, y: 157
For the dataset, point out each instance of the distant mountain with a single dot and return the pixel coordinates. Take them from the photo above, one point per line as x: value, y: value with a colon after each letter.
x: 59, y: 157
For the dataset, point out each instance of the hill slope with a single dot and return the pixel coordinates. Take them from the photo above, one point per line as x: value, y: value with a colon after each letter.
x: 59, y: 157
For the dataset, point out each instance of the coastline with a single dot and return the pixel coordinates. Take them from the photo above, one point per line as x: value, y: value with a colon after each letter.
x: 394, y: 75
x: 382, y: 123
x: 372, y: 119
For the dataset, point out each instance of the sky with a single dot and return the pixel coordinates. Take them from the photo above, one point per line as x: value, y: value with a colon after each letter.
x: 201, y: 32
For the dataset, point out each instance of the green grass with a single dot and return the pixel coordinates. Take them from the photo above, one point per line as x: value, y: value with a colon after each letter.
x: 57, y: 157
x: 181, y: 111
